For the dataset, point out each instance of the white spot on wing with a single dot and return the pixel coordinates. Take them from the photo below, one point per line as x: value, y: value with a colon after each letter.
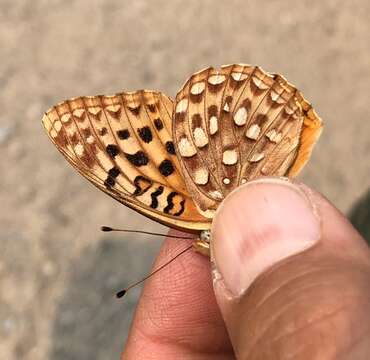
x: 182, y: 105
x: 114, y: 108
x: 274, y: 95
x: 259, y: 83
x: 265, y: 170
x: 226, y: 107
x: 95, y: 110
x: 256, y: 157
x: 240, y: 117
x: 226, y: 181
x: 198, y: 88
x: 274, y: 136
x: 238, y: 76
x: 216, y: 79
x: 253, y: 132
x: 79, y: 149
x: 213, y: 125
x: 215, y: 195
x: 186, y: 148
x: 200, y: 137
x: 57, y: 125
x: 66, y: 117
x: 90, y: 139
x: 201, y: 176
x: 229, y: 157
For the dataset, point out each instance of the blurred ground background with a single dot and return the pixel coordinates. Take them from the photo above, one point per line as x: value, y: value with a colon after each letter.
x: 57, y: 271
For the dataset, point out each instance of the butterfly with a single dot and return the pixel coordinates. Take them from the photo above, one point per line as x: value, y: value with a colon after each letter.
x: 175, y: 161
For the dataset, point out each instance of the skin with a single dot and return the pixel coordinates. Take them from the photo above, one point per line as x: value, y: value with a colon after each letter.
x: 313, y: 305
x: 177, y: 315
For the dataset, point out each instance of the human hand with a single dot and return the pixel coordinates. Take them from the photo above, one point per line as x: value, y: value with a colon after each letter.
x: 290, y: 274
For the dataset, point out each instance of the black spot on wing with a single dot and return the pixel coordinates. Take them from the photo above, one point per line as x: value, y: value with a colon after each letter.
x: 182, y: 208
x: 142, y: 184
x: 158, y: 124
x: 113, y: 172
x: 135, y: 110
x: 123, y: 134
x: 154, y: 195
x: 112, y: 150
x: 170, y: 203
x: 170, y: 147
x: 145, y: 134
x: 103, y: 131
x: 151, y: 107
x: 166, y: 168
x: 109, y: 182
x: 138, y: 159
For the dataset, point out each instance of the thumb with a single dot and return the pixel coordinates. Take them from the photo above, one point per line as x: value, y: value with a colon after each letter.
x: 290, y: 274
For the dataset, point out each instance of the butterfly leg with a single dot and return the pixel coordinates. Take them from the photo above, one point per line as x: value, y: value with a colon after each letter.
x: 201, y: 245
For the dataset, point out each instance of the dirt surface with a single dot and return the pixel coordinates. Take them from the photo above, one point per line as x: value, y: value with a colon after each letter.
x: 57, y: 271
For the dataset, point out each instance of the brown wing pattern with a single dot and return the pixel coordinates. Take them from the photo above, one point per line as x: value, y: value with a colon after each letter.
x: 235, y: 124
x: 123, y: 144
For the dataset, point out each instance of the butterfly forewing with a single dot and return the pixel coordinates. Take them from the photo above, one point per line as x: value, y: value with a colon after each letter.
x: 235, y: 124
x: 123, y: 144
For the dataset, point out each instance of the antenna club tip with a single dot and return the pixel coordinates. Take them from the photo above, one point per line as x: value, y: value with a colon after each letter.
x: 106, y: 228
x: 121, y: 294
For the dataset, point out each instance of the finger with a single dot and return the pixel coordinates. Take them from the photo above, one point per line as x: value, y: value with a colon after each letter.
x: 177, y: 316
x: 291, y: 275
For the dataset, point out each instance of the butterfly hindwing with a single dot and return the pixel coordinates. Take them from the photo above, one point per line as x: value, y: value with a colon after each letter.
x: 123, y: 144
x: 238, y: 123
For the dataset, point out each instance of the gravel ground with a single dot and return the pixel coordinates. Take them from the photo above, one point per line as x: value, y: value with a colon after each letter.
x: 57, y: 271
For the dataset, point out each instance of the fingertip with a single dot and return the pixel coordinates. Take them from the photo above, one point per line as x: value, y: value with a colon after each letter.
x: 258, y: 225
x: 284, y: 255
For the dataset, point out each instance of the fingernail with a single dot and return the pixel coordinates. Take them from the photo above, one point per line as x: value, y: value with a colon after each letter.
x: 257, y: 226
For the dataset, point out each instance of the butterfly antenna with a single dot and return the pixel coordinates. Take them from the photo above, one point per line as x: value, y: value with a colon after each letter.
x: 108, y: 229
x: 124, y: 291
